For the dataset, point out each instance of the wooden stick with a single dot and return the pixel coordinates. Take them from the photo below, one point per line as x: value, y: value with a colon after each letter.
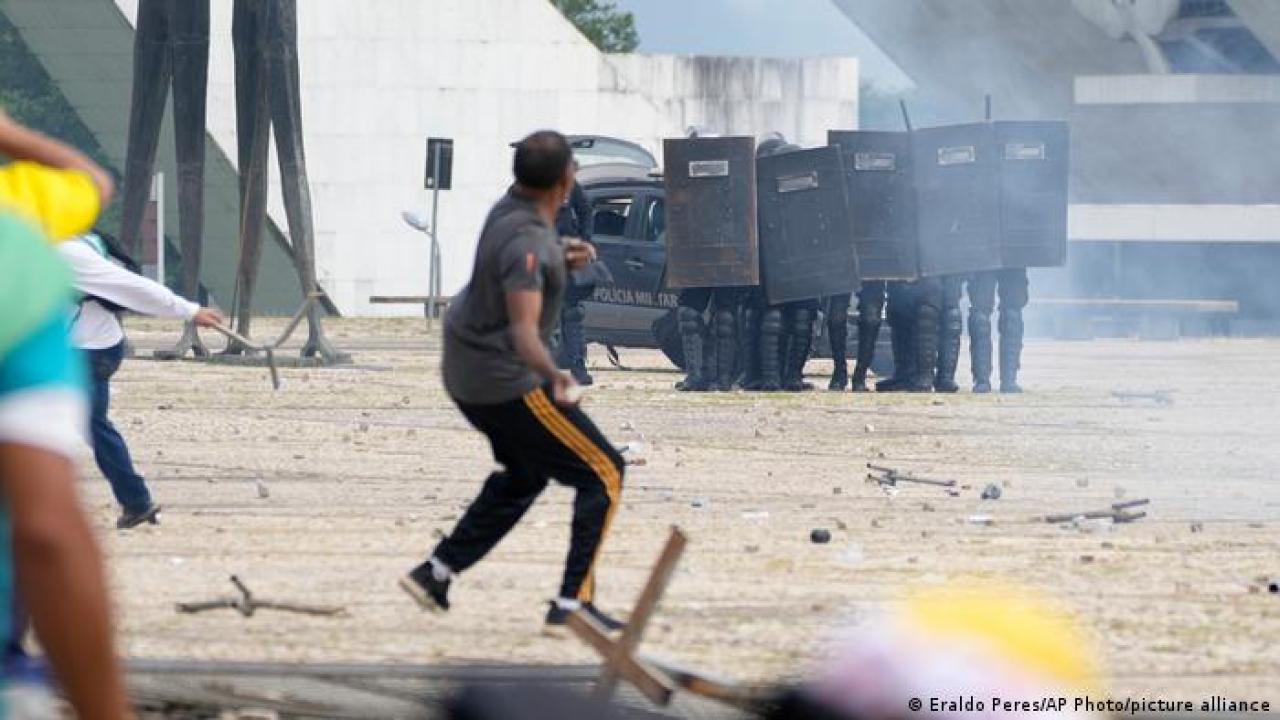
x: 645, y: 606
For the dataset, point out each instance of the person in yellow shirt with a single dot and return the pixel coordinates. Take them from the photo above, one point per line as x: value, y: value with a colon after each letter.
x: 46, y: 544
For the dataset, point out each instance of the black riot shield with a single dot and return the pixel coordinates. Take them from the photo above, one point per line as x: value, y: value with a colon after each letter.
x: 711, y: 213
x: 805, y: 251
x: 882, y: 201
x: 958, y: 196
x: 1033, y: 193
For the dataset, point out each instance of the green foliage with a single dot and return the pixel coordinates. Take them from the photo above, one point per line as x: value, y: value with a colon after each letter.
x: 30, y: 97
x: 607, y: 27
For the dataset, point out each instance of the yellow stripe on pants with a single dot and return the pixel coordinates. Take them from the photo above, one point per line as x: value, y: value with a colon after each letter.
x: 591, y: 454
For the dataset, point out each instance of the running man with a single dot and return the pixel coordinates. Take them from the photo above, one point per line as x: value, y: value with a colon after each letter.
x: 500, y: 373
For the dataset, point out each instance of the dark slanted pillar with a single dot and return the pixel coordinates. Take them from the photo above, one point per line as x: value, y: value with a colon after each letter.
x: 253, y: 131
x: 286, y: 114
x: 189, y: 34
x: 152, y: 69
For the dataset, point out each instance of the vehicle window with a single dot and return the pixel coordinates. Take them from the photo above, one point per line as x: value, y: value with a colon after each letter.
x: 609, y: 215
x: 655, y: 216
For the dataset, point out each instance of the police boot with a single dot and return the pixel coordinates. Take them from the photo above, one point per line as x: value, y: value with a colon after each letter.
x: 1011, y: 330
x: 904, y: 361
x: 868, y: 336
x: 838, y: 335
x: 692, y: 340
x: 948, y: 351
x: 770, y: 354
x: 926, y: 340
x: 726, y: 335
x: 573, y: 344
x: 750, y: 348
x: 798, y: 349
x: 980, y: 350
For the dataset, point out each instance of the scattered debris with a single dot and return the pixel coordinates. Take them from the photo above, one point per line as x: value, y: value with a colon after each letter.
x: 1082, y: 483
x: 820, y: 536
x: 1197, y: 527
x: 699, y: 503
x: 755, y: 514
x: 869, y: 428
x: 985, y: 520
x: 926, y: 507
x: 1117, y: 513
x: 247, y: 604
x: 888, y: 477
x: 991, y: 492
x: 837, y: 490
x: 633, y: 454
x: 1273, y: 587
x: 263, y: 491
x: 627, y: 426
x: 1086, y: 559
x: 1159, y: 397
x: 751, y: 549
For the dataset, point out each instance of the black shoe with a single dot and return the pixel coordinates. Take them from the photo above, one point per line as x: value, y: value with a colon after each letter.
x: 838, y: 383
x: 893, y: 384
x: 582, y: 377
x: 946, y: 386
x: 1010, y: 388
x: 558, y: 618
x: 422, y: 585
x: 982, y: 387
x: 129, y: 519
x: 692, y: 386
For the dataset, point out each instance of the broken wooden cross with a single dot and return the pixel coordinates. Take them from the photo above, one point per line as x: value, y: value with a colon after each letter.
x: 247, y: 604
x: 1118, y: 513
x: 656, y: 679
x: 889, y: 477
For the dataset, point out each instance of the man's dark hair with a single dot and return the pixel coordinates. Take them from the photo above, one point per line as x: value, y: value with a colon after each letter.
x: 542, y: 159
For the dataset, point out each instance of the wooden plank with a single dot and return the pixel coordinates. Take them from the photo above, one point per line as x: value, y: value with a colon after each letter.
x: 651, y: 683
x: 645, y: 606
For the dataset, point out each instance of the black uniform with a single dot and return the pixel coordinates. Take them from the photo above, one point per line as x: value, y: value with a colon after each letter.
x: 900, y: 313
x: 1012, y: 287
x: 710, y: 348
x: 574, y: 220
x: 950, y: 329
x: 871, y: 304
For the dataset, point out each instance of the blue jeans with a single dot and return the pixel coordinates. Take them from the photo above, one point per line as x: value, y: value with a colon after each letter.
x: 109, y: 449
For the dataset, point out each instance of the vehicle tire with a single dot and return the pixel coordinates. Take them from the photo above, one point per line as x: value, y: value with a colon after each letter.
x: 666, y: 331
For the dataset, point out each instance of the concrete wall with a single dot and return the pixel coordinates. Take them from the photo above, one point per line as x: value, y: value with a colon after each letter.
x: 380, y: 76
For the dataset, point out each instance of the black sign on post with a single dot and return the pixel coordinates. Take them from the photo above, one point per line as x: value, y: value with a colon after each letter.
x: 439, y: 164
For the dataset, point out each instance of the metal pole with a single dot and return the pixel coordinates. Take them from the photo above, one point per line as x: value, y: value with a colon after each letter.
x: 157, y: 190
x: 433, y: 282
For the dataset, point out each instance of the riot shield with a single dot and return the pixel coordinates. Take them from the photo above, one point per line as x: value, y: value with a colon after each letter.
x: 711, y: 213
x: 1033, y: 193
x: 958, y: 198
x: 882, y: 201
x: 805, y: 251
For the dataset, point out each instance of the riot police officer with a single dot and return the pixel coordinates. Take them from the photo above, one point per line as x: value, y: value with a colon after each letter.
x: 900, y: 303
x: 574, y: 220
x: 786, y: 329
x: 710, y: 348
x: 1011, y: 286
x: 871, y: 304
x: 950, y: 329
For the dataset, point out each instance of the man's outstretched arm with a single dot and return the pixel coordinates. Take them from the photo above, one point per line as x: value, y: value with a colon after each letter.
x: 61, y: 579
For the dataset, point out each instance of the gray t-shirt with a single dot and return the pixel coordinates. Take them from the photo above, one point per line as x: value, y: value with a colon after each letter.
x: 517, y: 251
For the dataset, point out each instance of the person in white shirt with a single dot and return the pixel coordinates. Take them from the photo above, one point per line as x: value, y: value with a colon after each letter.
x: 106, y: 287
